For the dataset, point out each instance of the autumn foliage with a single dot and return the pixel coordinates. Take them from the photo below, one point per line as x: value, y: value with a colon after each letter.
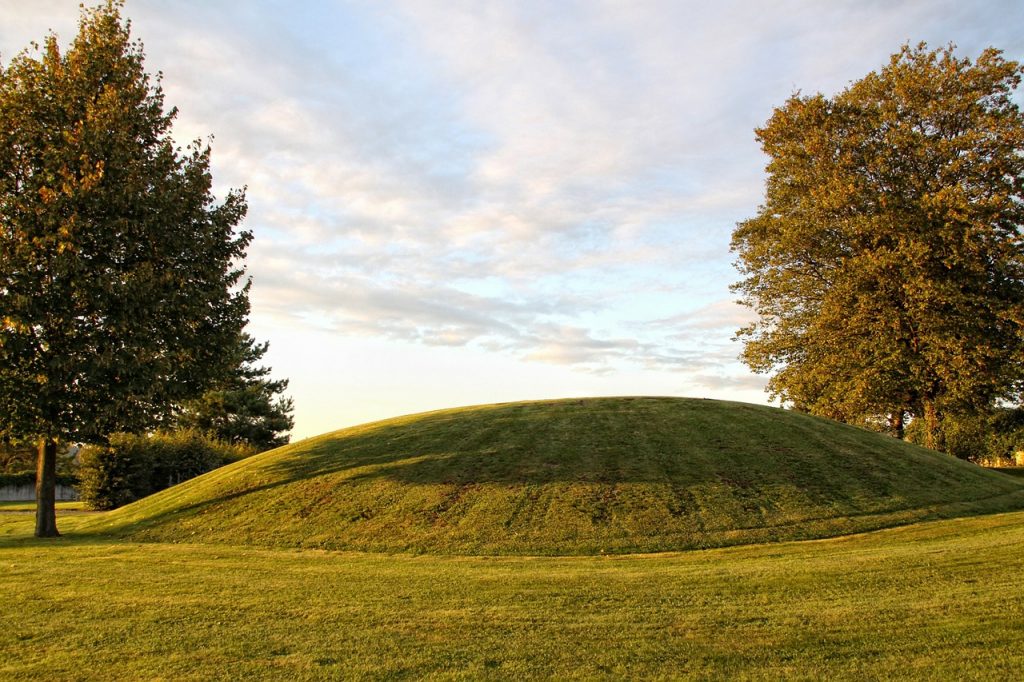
x: 886, y: 264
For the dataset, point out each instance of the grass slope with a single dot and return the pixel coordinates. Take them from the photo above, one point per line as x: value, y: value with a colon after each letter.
x: 569, y: 477
x: 932, y: 601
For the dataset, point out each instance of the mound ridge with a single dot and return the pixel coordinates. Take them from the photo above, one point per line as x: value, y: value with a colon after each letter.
x: 570, y: 477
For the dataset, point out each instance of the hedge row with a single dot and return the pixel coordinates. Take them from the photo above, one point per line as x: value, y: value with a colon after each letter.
x: 132, y: 466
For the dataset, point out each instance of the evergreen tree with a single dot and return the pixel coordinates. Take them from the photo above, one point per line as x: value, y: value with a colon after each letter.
x: 247, y: 409
x: 119, y: 275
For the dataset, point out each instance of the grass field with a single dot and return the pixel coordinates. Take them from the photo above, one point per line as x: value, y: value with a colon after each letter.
x: 614, y: 475
x: 241, y: 574
x: 6, y: 506
x: 938, y: 600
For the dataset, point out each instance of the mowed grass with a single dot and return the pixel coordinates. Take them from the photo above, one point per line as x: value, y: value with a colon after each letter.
x: 20, y: 506
x: 608, y: 475
x: 937, y: 600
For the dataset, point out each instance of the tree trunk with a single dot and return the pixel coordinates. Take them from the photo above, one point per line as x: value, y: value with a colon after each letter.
x: 932, y: 434
x: 46, y: 484
x: 896, y: 425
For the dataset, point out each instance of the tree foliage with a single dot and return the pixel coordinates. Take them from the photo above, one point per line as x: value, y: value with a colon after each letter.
x: 21, y: 458
x: 16, y: 458
x: 249, y: 408
x: 118, y: 268
x: 886, y: 263
x: 991, y: 438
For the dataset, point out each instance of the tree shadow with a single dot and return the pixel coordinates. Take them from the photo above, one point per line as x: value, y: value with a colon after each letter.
x: 681, y: 445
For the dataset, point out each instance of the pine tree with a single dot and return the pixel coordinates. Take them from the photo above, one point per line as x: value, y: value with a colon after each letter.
x: 249, y: 408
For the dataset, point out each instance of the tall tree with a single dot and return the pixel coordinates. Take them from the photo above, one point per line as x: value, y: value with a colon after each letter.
x: 248, y: 408
x: 119, y: 277
x: 886, y: 264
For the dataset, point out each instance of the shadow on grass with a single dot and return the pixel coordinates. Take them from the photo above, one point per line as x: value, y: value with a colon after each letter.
x: 680, y: 443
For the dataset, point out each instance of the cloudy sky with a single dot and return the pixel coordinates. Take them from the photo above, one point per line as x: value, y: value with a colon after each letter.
x: 467, y: 202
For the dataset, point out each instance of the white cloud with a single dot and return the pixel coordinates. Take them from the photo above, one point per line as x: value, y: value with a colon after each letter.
x: 554, y: 182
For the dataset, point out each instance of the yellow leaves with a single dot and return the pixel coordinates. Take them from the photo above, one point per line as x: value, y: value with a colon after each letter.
x: 85, y: 178
x: 13, y: 325
x: 65, y: 235
x: 891, y: 268
x: 91, y: 180
x: 47, y: 195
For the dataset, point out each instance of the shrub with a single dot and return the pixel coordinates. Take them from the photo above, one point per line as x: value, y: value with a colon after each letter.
x: 988, y: 438
x: 115, y: 474
x: 968, y: 437
x: 132, y: 466
x: 1007, y: 438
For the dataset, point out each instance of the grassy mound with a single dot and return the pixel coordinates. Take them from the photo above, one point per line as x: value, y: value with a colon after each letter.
x: 569, y: 477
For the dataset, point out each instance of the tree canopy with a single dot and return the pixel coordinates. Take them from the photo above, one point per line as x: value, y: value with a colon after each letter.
x: 886, y: 263
x: 120, y: 275
x: 248, y: 408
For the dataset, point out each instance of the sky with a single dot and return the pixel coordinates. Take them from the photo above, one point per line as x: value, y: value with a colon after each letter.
x: 457, y: 203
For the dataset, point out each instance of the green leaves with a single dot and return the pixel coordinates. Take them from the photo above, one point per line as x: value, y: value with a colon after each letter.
x: 886, y: 263
x: 119, y: 278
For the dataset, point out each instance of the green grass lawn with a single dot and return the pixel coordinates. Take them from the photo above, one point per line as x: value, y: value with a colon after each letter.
x: 619, y: 475
x: 31, y: 506
x: 247, y: 572
x: 938, y: 600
